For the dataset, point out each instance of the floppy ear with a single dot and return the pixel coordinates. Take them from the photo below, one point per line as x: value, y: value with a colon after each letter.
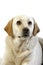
x: 36, y: 29
x: 8, y: 28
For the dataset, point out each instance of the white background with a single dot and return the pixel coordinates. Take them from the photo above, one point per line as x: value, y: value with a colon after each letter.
x: 11, y: 8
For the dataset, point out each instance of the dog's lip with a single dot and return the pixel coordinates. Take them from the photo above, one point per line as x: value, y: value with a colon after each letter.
x: 19, y: 36
x: 22, y: 36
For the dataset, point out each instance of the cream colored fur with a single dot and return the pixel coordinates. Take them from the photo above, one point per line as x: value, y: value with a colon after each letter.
x: 22, y: 51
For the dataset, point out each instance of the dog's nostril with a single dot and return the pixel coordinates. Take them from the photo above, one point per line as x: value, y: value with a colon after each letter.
x: 25, y: 30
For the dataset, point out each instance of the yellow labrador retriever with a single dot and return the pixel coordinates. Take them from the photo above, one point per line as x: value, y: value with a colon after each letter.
x: 22, y: 44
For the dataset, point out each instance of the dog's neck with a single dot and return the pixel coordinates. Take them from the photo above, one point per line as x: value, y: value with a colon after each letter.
x: 20, y: 43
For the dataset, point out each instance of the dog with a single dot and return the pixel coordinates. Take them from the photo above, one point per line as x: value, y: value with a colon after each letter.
x: 22, y: 44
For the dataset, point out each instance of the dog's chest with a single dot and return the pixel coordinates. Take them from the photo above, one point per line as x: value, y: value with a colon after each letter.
x: 21, y: 46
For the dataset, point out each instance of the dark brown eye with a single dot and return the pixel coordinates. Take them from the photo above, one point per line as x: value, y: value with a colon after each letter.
x: 29, y: 23
x: 18, y: 22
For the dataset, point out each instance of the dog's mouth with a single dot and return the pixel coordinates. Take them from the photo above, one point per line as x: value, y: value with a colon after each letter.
x: 24, y: 36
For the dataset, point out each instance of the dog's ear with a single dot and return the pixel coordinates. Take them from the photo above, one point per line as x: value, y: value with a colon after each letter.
x: 36, y: 29
x: 8, y: 28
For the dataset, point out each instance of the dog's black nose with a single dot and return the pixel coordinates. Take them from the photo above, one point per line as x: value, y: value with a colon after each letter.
x: 25, y: 32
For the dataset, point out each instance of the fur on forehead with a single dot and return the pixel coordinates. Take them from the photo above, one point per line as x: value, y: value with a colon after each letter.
x: 21, y: 17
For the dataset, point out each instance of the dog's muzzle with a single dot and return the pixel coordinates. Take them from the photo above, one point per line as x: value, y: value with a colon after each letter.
x: 25, y: 32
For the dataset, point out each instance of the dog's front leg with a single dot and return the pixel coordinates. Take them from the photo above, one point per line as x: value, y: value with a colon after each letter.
x: 24, y: 54
x: 21, y: 56
x: 24, y: 63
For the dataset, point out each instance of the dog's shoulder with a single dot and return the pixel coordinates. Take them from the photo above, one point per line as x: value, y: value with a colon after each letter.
x: 34, y: 39
x: 8, y: 41
x: 8, y: 38
x: 33, y: 42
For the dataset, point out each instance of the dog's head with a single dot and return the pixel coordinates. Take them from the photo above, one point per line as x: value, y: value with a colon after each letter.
x: 22, y: 26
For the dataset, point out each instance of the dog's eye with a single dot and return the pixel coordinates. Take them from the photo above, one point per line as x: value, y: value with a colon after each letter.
x: 18, y: 23
x: 29, y: 23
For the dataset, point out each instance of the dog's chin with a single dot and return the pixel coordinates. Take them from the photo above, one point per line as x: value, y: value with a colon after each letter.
x: 23, y: 37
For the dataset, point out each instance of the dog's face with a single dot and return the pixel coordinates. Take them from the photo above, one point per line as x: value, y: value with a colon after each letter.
x: 22, y: 26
